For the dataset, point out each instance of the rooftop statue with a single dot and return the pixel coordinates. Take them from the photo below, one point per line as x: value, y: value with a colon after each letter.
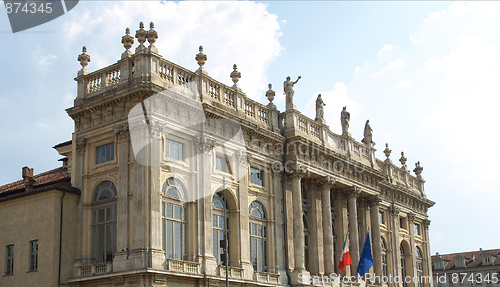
x: 288, y: 88
x: 345, y: 117
x: 368, y: 134
x: 320, y: 113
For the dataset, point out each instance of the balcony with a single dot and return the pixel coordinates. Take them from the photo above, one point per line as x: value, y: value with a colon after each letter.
x: 183, y: 266
x: 95, y: 269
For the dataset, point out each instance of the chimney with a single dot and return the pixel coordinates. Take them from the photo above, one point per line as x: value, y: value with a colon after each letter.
x: 28, y: 177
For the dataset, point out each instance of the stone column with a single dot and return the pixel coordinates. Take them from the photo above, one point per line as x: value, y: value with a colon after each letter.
x: 376, y: 237
x: 326, y: 185
x: 395, y: 241
x: 316, y: 231
x: 427, y: 247
x: 353, y: 228
x: 298, y: 226
x: 76, y: 181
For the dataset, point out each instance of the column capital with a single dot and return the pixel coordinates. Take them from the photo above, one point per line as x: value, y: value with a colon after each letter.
x: 353, y: 192
x: 327, y: 181
x: 297, y: 172
x: 242, y: 156
x: 80, y: 144
x: 375, y: 200
x: 204, y: 144
x: 395, y: 210
x: 427, y: 223
x: 411, y: 217
x: 121, y: 130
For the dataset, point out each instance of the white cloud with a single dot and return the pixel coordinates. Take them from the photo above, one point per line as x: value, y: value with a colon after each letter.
x: 395, y: 65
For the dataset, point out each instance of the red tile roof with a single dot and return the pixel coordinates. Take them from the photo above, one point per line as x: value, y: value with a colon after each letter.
x: 59, y: 178
x: 472, y: 258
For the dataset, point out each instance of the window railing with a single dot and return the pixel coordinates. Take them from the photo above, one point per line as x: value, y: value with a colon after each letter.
x: 266, y: 277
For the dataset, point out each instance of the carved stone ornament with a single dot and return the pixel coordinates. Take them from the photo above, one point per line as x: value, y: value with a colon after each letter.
x: 353, y: 192
x: 328, y: 180
x: 345, y: 117
x: 418, y: 169
x: 387, y: 151
x: 242, y: 156
x: 270, y: 96
x: 403, y: 159
x: 121, y: 131
x: 127, y: 40
x: 320, y: 114
x: 375, y: 200
x: 80, y: 144
x: 411, y: 217
x: 298, y: 171
x: 427, y: 223
x: 204, y: 145
x: 235, y: 76
x: 141, y: 36
x: 152, y: 35
x: 83, y: 58
x: 201, y: 58
x: 395, y: 210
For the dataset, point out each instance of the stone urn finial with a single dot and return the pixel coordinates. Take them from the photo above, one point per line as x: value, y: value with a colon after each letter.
x: 141, y: 37
x: 270, y: 96
x: 152, y: 35
x: 403, y: 159
x: 127, y: 42
x: 201, y: 58
x: 235, y: 76
x: 387, y: 151
x: 418, y: 170
x: 84, y: 59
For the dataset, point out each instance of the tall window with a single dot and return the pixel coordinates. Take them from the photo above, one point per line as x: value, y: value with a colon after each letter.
x: 34, y: 255
x: 104, y: 222
x: 105, y: 153
x: 381, y: 217
x: 384, y: 256
x: 10, y: 260
x: 174, y: 149
x: 222, y: 164
x: 417, y: 229
x: 256, y: 176
x: 403, y: 264
x: 173, y: 219
x: 258, y: 236
x: 420, y: 265
x: 219, y: 226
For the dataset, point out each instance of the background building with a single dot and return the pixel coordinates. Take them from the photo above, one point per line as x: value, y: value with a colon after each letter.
x: 168, y: 161
x: 474, y: 268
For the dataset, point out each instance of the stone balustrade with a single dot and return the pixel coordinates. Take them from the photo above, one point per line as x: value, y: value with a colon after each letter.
x: 266, y: 277
x: 234, y: 272
x: 95, y: 269
x: 183, y: 266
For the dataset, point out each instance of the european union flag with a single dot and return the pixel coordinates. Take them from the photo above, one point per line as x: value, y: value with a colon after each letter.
x: 366, y: 260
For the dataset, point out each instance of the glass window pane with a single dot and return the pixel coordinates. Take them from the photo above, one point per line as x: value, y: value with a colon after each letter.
x: 170, y: 211
x: 177, y: 212
x: 170, y: 247
x: 221, y: 222
x: 214, y: 220
x: 177, y: 243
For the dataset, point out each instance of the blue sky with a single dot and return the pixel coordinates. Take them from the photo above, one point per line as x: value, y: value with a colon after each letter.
x: 425, y: 73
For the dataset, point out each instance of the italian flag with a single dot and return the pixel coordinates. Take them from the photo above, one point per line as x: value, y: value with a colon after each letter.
x: 346, y: 256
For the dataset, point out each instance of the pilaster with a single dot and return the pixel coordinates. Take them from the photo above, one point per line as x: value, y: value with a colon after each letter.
x: 316, y: 231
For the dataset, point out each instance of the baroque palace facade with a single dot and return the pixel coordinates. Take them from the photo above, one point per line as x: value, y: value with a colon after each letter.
x: 168, y: 161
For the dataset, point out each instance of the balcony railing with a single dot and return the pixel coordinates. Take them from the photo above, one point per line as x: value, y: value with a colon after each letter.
x: 234, y: 272
x: 183, y: 266
x: 266, y: 277
x: 95, y: 269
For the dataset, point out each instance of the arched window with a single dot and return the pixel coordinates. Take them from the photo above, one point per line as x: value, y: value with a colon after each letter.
x: 173, y: 219
x: 219, y: 227
x: 403, y: 264
x: 258, y: 236
x: 104, y: 222
x: 384, y: 256
x: 420, y: 265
